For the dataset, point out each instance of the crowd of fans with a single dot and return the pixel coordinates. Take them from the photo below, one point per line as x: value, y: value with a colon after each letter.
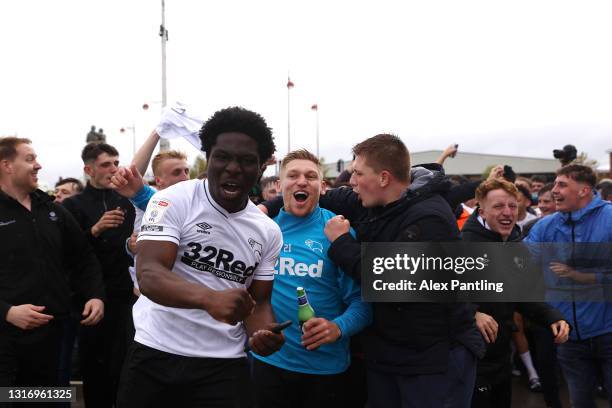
x: 163, y: 288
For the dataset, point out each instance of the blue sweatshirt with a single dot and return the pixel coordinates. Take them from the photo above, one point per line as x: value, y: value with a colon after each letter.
x: 332, y: 294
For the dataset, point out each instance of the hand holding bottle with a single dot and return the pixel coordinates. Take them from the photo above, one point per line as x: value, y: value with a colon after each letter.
x: 319, y: 331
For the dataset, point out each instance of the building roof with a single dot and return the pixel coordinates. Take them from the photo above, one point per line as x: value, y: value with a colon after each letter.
x: 466, y: 163
x: 473, y: 164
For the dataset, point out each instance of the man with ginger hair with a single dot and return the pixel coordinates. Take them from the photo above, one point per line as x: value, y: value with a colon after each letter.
x: 495, y: 220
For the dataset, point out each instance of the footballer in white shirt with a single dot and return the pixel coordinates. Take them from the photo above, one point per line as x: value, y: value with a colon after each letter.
x: 205, y: 269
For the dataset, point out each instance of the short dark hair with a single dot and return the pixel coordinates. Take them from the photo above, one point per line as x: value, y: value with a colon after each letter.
x: 603, y: 183
x: 78, y: 186
x: 8, y: 146
x: 545, y: 189
x: 459, y: 180
x: 241, y: 120
x: 538, y: 179
x: 523, y: 190
x: 267, y: 180
x: 386, y: 152
x: 606, y: 192
x: 91, y: 151
x: 579, y: 173
x: 343, y: 179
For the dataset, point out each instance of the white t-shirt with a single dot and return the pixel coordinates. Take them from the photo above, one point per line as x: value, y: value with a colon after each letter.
x: 528, y: 217
x: 215, y: 248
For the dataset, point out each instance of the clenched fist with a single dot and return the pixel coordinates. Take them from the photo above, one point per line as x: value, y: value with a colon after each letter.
x: 336, y: 227
x: 230, y: 306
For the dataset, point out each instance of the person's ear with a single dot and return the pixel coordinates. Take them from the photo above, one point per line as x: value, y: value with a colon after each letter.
x: 384, y: 178
x: 5, y: 165
x: 88, y: 170
x: 584, y: 191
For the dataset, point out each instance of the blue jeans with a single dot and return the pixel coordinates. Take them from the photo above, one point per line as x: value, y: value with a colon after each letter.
x: 452, y: 389
x: 581, y: 362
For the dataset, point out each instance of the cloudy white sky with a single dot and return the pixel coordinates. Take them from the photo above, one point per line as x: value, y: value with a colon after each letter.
x: 519, y: 78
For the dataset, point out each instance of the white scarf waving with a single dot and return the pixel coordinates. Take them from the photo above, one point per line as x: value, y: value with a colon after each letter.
x: 177, y: 120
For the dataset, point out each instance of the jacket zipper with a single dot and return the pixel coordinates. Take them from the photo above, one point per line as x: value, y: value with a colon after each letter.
x: 104, y: 200
x: 571, y: 221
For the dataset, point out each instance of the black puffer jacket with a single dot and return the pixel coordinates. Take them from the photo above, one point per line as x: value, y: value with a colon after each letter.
x: 406, y: 338
x: 87, y: 208
x: 496, y: 366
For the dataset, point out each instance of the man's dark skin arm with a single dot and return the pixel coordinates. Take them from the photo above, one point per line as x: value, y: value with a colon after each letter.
x: 261, y: 340
x: 161, y: 285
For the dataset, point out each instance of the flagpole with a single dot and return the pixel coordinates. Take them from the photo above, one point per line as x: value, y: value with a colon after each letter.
x: 164, y: 144
x: 289, y: 87
x: 315, y: 108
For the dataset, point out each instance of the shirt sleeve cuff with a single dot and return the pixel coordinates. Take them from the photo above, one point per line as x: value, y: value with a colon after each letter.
x: 340, y: 323
x: 142, y: 197
x: 4, y: 308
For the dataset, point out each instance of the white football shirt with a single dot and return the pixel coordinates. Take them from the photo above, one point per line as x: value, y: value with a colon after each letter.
x: 137, y: 223
x: 215, y: 248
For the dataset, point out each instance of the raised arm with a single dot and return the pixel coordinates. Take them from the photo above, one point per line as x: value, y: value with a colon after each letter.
x: 143, y: 155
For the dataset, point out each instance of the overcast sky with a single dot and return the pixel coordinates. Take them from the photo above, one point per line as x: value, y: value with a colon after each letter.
x: 518, y: 78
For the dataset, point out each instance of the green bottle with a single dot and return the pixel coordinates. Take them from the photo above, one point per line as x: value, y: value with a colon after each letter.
x: 305, y: 311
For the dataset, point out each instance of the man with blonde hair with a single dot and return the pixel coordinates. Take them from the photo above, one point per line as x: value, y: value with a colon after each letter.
x: 412, y: 357
x: 169, y: 167
x: 316, y: 356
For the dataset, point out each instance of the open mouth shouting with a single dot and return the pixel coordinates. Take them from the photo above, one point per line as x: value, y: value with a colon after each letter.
x: 301, y: 202
x: 301, y: 196
x: 231, y: 189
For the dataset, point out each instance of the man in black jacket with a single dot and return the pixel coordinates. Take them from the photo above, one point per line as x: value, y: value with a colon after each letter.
x: 417, y: 354
x: 40, y: 242
x: 495, y: 221
x: 108, y: 221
